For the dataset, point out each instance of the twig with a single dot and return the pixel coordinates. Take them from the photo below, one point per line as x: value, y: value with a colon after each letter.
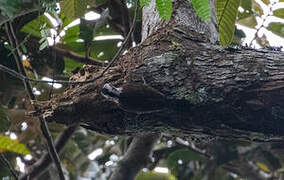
x: 124, y: 42
x: 40, y: 165
x: 5, y: 19
x: 8, y: 165
x: 25, y: 78
x: 53, y: 65
x: 77, y: 57
x: 17, y: 55
x: 192, y: 147
x: 262, y: 25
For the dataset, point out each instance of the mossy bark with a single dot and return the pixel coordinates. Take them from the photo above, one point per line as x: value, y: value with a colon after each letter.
x: 220, y: 92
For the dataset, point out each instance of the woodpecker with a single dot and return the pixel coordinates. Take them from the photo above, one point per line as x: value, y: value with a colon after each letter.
x: 134, y: 97
x: 141, y: 98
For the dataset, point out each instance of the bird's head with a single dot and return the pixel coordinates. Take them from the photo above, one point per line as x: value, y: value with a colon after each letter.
x: 110, y: 92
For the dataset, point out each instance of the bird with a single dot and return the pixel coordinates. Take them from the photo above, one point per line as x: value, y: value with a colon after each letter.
x: 135, y: 97
x: 141, y: 98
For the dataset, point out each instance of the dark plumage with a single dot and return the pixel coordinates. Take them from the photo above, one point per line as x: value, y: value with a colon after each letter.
x: 138, y: 98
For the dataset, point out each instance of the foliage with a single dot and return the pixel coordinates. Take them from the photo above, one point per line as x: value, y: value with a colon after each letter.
x: 34, y: 26
x: 45, y: 33
x: 202, y: 8
x: 164, y: 8
x: 226, y: 14
x: 178, y: 161
x: 10, y: 7
x: 8, y: 144
x: 73, y: 8
x: 49, y: 5
x: 86, y: 31
x: 75, y: 40
x: 144, y: 2
x: 184, y: 155
x: 150, y: 175
x: 276, y: 28
x: 279, y: 13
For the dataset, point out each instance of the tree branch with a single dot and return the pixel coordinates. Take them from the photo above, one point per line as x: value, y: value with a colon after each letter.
x: 5, y: 19
x: 77, y: 57
x: 139, y: 152
x: 234, y: 93
x: 45, y: 160
x: 17, y: 55
x: 8, y: 165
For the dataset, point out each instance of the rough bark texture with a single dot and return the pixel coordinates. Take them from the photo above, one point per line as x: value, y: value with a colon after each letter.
x: 183, y: 15
x: 229, y: 93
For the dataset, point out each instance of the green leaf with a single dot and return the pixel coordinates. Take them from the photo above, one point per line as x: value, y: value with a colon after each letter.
x: 34, y: 27
x: 96, y: 3
x: 10, y: 7
x: 49, y: 6
x: 277, y: 28
x: 8, y: 144
x: 152, y: 175
x: 86, y: 31
x: 279, y: 13
x: 144, y: 2
x: 164, y: 8
x: 72, y: 34
x: 45, y: 33
x: 184, y: 154
x: 247, y: 9
x: 24, y: 49
x: 43, y: 45
x: 248, y: 21
x: 65, y: 20
x: 70, y: 65
x: 202, y: 8
x: 257, y: 8
x: 266, y: 2
x: 227, y: 11
x: 73, y: 8
x: 108, y: 47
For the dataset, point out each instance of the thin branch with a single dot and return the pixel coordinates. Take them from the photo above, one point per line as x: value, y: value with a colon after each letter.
x: 45, y: 160
x: 262, y: 25
x: 17, y: 55
x: 25, y: 78
x: 192, y: 147
x: 124, y: 42
x: 8, y: 165
x: 139, y: 152
x: 77, y: 57
x: 51, y: 147
x: 5, y: 19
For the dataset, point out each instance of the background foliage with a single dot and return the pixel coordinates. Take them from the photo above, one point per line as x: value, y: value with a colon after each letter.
x: 43, y: 34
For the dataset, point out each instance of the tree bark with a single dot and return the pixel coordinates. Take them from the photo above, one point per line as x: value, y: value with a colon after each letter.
x: 218, y: 92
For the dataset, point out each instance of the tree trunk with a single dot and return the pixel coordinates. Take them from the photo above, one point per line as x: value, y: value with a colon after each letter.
x: 212, y: 91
